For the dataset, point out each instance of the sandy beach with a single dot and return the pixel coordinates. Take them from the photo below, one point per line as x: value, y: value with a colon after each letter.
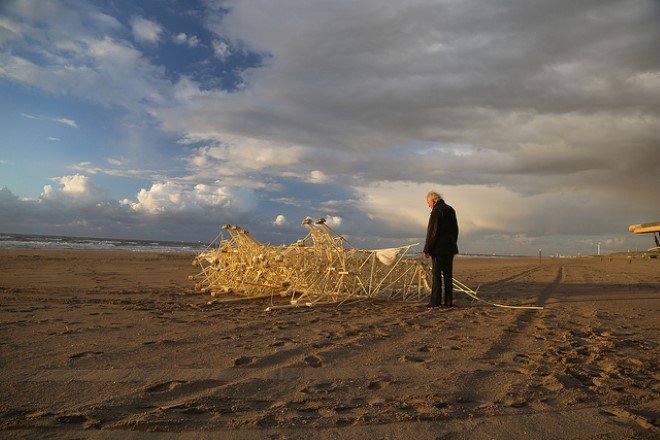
x: 103, y: 344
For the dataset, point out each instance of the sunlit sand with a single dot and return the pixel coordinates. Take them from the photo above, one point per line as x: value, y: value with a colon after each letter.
x: 117, y: 341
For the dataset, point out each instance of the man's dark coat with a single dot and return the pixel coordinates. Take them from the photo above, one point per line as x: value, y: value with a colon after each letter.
x: 442, y: 232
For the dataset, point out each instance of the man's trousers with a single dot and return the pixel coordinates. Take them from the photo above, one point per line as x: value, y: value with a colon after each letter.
x: 443, y: 266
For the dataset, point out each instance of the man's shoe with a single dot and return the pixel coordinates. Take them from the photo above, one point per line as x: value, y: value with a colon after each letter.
x: 432, y: 305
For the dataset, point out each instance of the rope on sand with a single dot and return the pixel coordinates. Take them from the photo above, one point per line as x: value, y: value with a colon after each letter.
x: 473, y: 294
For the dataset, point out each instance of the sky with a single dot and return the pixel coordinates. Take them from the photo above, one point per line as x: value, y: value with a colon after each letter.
x: 538, y: 121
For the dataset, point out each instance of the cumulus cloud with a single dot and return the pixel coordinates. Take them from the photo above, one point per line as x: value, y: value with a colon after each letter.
x: 248, y: 162
x: 221, y: 49
x: 74, y: 201
x: 188, y: 40
x: 146, y: 31
x: 172, y: 197
x: 333, y: 220
x: 317, y: 176
x: 62, y: 207
x: 77, y: 189
x: 280, y: 220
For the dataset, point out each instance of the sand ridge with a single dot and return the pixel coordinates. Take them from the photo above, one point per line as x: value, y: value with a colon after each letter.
x: 112, y: 342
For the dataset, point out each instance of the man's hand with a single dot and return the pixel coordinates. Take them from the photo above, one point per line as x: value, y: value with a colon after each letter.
x: 425, y: 255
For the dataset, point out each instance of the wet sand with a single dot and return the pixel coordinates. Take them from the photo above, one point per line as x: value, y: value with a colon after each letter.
x: 102, y: 344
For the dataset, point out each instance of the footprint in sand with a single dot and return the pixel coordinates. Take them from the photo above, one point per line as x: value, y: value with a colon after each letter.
x: 282, y: 341
x: 244, y: 360
x: 314, y: 361
x: 77, y: 419
x: 194, y: 410
x: 521, y: 358
x: 524, y: 371
x: 642, y: 421
x: 85, y: 354
x: 165, y: 386
x: 71, y: 418
x: 381, y: 333
x: 377, y: 384
x: 409, y: 358
x: 514, y: 402
x: 572, y: 380
x: 161, y: 341
x: 322, y: 344
x: 424, y: 408
x: 320, y: 388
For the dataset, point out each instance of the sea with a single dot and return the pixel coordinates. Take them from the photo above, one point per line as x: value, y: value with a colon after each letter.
x: 31, y: 241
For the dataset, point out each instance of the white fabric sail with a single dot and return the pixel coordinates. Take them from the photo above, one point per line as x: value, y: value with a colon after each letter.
x: 387, y: 256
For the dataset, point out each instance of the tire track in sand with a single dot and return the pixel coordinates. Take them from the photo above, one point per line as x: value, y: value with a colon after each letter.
x: 479, y: 383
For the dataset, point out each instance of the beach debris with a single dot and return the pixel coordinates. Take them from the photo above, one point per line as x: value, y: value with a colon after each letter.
x: 322, y: 268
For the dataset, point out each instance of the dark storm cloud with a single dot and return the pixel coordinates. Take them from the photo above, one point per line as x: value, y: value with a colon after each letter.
x: 423, y: 70
x: 549, y: 97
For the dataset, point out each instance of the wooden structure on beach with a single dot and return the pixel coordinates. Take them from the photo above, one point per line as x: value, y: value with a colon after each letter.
x: 648, y: 228
x: 322, y: 268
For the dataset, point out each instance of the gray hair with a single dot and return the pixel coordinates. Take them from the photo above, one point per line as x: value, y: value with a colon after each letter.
x: 433, y: 196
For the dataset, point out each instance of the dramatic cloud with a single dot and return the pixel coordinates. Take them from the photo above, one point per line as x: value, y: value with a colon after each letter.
x: 501, y: 78
x: 74, y: 205
x: 537, y: 102
x: 77, y: 205
x: 537, y: 119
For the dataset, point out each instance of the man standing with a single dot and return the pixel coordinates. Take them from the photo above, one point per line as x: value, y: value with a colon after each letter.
x: 441, y: 245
